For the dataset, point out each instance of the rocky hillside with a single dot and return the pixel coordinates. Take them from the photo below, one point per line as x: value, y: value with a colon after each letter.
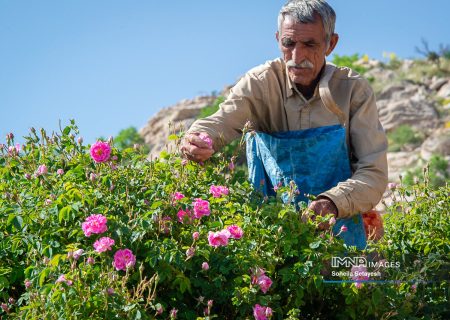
x: 413, y: 99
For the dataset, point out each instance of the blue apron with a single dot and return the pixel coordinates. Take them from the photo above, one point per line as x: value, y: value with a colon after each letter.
x: 315, y: 159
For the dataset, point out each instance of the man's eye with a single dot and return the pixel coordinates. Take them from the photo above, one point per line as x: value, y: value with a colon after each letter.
x: 287, y: 43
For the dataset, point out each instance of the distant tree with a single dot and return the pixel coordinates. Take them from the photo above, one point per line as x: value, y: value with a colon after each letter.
x: 128, y: 137
x: 431, y: 55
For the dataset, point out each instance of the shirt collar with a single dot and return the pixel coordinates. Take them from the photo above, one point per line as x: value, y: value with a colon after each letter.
x: 291, y: 88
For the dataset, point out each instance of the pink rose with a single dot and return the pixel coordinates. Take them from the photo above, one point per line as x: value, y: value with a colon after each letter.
x: 201, y: 208
x: 100, y: 151
x: 173, y: 313
x: 235, y: 231
x: 219, y: 238
x: 392, y: 185
x: 60, y: 172
x: 185, y: 216
x: 332, y: 221
x: 190, y: 252
x: 62, y: 278
x: 218, y: 191
x: 344, y: 229
x: 103, y: 244
x: 195, y: 235
x: 95, y: 223
x: 177, y: 196
x: 110, y: 291
x: 90, y: 261
x: 205, y: 137
x: 42, y: 169
x: 124, y: 259
x: 264, y: 283
x: 27, y: 283
x: 205, y: 266
x: 261, y: 313
x: 77, y: 254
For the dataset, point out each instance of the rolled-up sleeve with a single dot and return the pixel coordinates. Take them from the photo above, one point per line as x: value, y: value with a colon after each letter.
x: 244, y: 103
x: 368, y: 146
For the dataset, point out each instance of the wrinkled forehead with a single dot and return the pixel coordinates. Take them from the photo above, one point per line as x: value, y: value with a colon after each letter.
x: 289, y: 20
x: 292, y: 26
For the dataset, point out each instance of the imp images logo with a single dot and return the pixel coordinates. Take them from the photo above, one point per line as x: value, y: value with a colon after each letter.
x: 347, y: 262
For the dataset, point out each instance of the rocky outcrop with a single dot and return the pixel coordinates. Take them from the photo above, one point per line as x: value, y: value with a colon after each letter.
x: 172, y: 120
x: 407, y: 104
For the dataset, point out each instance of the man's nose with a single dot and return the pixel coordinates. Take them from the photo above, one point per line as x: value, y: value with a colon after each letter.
x: 298, y: 54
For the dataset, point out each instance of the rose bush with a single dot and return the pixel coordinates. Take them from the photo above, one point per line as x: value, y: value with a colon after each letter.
x: 94, y: 233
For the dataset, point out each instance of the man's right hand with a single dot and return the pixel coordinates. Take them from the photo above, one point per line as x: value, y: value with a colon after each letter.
x: 195, y: 148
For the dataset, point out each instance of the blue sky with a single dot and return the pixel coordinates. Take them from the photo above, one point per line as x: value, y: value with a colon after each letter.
x: 112, y: 64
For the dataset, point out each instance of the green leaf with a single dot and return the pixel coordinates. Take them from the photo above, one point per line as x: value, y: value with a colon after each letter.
x: 173, y: 137
x: 64, y: 213
x: 16, y: 221
x: 315, y: 244
x: 43, y: 275
x: 66, y: 131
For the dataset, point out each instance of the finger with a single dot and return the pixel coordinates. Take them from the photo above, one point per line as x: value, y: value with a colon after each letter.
x: 197, y: 141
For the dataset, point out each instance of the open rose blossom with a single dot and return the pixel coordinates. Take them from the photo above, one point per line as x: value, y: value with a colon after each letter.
x: 95, y: 223
x: 373, y: 225
x: 206, y: 138
x: 100, y: 151
x: 218, y: 191
x: 201, y: 208
x: 177, y: 196
x: 235, y: 231
x: 124, y: 259
x: 219, y: 238
x: 42, y: 169
x: 264, y: 283
x: 185, y: 216
x: 103, y: 244
x: 261, y: 313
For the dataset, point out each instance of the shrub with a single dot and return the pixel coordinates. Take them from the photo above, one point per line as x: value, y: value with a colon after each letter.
x: 186, y: 258
x: 211, y: 109
x: 349, y: 61
x: 402, y: 136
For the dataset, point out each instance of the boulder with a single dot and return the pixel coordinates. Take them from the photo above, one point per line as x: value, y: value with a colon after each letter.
x: 180, y: 116
x: 437, y: 143
x: 444, y: 91
x: 400, y: 162
x: 380, y: 74
x: 407, y: 104
x: 437, y: 83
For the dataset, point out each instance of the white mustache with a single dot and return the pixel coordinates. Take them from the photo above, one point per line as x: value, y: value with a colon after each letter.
x: 304, y: 64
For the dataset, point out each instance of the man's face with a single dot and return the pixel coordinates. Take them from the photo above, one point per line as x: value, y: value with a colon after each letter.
x: 302, y: 42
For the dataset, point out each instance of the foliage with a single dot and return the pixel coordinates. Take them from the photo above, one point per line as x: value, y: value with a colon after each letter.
x: 349, y: 61
x: 436, y: 172
x: 129, y: 138
x: 42, y: 209
x: 211, y: 109
x: 403, y: 136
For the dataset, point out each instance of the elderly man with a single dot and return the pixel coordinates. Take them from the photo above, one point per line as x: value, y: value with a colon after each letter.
x: 302, y: 92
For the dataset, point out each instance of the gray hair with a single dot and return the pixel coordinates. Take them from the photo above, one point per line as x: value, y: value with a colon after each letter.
x: 305, y: 11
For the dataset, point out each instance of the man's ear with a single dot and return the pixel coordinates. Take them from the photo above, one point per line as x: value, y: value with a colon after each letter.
x: 333, y: 42
x: 277, y: 36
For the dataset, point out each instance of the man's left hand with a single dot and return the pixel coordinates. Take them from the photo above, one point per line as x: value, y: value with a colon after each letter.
x: 322, y: 207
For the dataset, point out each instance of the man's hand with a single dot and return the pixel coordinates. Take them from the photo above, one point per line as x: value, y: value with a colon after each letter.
x: 322, y: 207
x: 195, y: 148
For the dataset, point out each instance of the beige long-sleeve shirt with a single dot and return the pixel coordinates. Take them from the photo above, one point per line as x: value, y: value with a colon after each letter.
x: 267, y: 97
